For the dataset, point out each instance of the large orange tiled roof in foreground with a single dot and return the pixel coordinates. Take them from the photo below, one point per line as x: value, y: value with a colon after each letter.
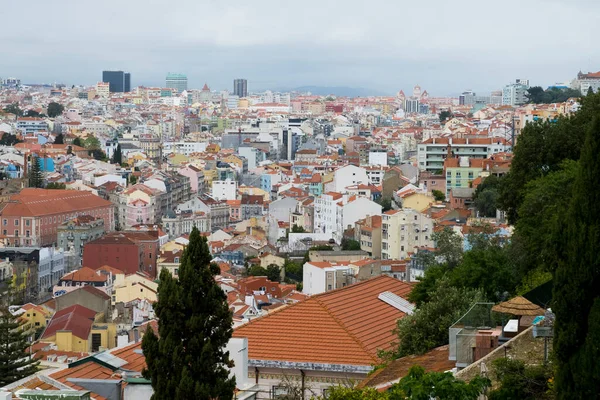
x: 345, y: 326
x: 35, y: 202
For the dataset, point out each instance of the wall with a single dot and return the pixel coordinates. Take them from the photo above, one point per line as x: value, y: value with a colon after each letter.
x: 123, y: 256
x: 66, y: 341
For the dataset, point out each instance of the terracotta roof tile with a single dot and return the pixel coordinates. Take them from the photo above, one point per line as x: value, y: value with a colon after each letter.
x: 329, y: 327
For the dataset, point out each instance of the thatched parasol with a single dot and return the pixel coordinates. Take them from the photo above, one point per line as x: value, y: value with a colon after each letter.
x: 518, y: 306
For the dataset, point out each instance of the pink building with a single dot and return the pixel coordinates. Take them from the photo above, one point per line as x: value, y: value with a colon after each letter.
x: 196, y: 176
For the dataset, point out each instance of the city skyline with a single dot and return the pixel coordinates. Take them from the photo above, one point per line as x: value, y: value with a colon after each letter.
x: 359, y: 48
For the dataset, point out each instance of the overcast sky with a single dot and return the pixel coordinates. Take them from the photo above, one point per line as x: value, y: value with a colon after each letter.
x: 386, y: 45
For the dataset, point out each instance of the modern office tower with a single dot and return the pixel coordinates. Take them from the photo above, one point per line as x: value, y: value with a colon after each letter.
x: 127, y: 82
x: 176, y: 81
x: 119, y: 81
x: 240, y: 87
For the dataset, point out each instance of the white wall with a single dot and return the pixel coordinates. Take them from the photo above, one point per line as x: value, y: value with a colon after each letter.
x: 349, y: 175
x: 313, y: 279
x: 224, y: 190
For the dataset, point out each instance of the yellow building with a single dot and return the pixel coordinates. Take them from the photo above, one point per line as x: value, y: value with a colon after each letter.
x: 135, y: 286
x: 77, y: 328
x: 267, y: 259
x: 417, y: 201
x: 254, y: 191
x: 35, y: 317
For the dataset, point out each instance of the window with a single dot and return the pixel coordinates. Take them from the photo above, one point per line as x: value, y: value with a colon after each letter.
x: 27, y: 222
x: 16, y: 232
x: 4, y: 222
x: 416, y: 238
x: 176, y: 271
x: 415, y: 217
x: 401, y: 248
x: 149, y: 255
x: 37, y: 324
x: 27, y: 233
x: 328, y: 287
x: 5, y: 232
x: 16, y: 222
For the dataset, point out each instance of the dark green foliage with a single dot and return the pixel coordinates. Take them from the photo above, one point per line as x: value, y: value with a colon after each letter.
x: 576, y: 294
x: 56, y: 185
x: 350, y: 244
x: 274, y: 273
x: 194, y: 325
x: 427, y: 327
x: 420, y: 385
x: 423, y: 290
x: 321, y: 247
x: 438, y: 195
x: 538, y: 95
x: 117, y: 157
x: 69, y: 150
x: 98, y: 155
x: 15, y: 363
x: 78, y: 142
x: 519, y: 381
x: 417, y: 385
x: 298, y: 229
x: 14, y: 109
x: 257, y: 270
x: 133, y: 179
x: 386, y: 204
x: 59, y: 139
x: 486, y: 196
x: 445, y: 115
x: 36, y: 177
x: 91, y: 143
x: 541, y: 148
x: 449, y: 246
x: 487, y: 266
x: 9, y: 140
x: 544, y: 205
x: 55, y: 109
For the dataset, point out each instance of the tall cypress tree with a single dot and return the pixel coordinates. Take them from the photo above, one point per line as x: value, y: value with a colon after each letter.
x: 117, y: 157
x: 36, y: 178
x: 188, y: 359
x: 15, y: 361
x: 576, y: 300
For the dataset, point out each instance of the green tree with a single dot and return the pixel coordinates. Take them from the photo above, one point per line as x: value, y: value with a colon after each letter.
x: 274, y: 273
x: 78, y: 142
x: 55, y: 109
x: 535, y: 94
x: 257, y: 270
x: 542, y: 208
x: 445, y: 115
x: 298, y: 229
x: 576, y: 295
x: 15, y: 361
x: 486, y: 203
x: 132, y: 179
x: 14, y: 109
x: 350, y: 244
x: 9, y: 139
x: 438, y: 195
x: 352, y: 393
x: 69, y: 150
x: 427, y: 327
x: 538, y: 95
x: 117, y: 157
x: 91, y: 143
x: 98, y: 155
x: 59, y: 139
x: 56, y: 185
x: 449, y: 246
x: 420, y: 385
x: 541, y: 148
x: 188, y: 359
x: 519, y: 381
x: 36, y: 177
x: 386, y: 204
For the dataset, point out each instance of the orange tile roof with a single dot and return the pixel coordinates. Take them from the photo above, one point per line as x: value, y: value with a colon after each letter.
x: 435, y: 360
x: 88, y: 370
x: 84, y: 274
x: 34, y: 202
x: 131, y: 353
x: 329, y: 327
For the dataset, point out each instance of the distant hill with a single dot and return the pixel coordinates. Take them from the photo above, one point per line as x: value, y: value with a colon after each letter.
x: 341, y: 91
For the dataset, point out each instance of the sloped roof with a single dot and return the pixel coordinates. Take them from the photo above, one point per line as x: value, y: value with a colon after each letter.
x: 518, y: 306
x: 133, y: 355
x: 84, y: 274
x: 34, y: 202
x: 345, y: 326
x: 435, y: 360
x: 77, y: 319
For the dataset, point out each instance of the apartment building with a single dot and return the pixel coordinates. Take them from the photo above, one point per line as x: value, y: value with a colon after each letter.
x: 432, y: 152
x: 402, y: 231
